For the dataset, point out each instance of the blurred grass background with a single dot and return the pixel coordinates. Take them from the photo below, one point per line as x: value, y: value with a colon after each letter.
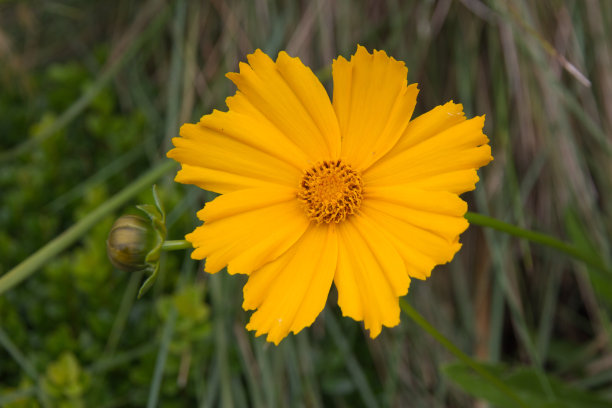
x: 92, y: 92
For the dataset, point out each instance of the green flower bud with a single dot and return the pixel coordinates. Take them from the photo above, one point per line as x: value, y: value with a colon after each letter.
x: 129, y: 241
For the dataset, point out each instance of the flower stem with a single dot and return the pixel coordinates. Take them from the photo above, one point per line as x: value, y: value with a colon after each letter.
x: 175, y: 245
x: 66, y: 238
x: 538, y: 238
x: 474, y: 365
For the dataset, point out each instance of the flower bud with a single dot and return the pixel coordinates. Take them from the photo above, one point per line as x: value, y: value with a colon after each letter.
x: 129, y: 242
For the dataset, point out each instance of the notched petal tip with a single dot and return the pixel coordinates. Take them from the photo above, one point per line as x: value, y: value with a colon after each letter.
x: 247, y: 67
x: 375, y: 52
x: 480, y: 120
x: 213, y: 265
x: 233, y: 76
x: 284, y: 57
x: 197, y: 253
x: 185, y: 127
x: 375, y: 328
x: 374, y: 332
x: 339, y: 60
x: 258, y: 53
x: 172, y: 152
x: 362, y: 52
x: 487, y: 157
x: 275, y: 339
x: 247, y: 305
x: 276, y: 331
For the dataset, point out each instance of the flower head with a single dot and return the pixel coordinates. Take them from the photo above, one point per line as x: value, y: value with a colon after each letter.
x: 349, y: 191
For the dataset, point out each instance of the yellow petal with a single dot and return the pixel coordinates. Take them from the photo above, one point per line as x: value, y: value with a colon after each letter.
x: 370, y: 275
x: 388, y: 259
x: 216, y: 180
x: 433, y: 218
x: 290, y: 292
x: 245, y: 123
x: 457, y: 182
x: 458, y: 150
x: 437, y: 202
x: 290, y: 96
x: 429, y: 124
x: 422, y: 239
x: 239, y: 202
x: 445, y: 226
x: 372, y: 103
x: 212, y: 159
x: 247, y: 229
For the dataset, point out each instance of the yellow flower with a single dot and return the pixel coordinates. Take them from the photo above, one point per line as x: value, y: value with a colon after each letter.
x: 313, y: 192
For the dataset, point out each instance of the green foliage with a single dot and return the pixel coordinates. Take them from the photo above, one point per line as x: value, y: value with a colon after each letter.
x: 192, y: 324
x: 157, y: 216
x: 65, y: 382
x: 527, y: 383
x: 73, y: 304
x: 600, y: 280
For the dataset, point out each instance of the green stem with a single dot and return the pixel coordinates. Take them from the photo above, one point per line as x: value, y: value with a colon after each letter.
x: 175, y: 245
x: 68, y: 237
x: 538, y: 238
x: 474, y: 365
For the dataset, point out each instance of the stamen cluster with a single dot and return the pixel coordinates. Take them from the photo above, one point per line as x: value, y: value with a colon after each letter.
x: 330, y: 191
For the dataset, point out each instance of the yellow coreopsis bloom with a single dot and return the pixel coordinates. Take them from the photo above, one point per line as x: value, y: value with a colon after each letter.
x: 313, y: 192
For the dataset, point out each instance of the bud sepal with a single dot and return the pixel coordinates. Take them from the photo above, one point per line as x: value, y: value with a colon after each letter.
x: 157, y: 216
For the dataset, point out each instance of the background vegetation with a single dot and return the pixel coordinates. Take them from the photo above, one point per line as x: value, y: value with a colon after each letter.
x: 92, y: 92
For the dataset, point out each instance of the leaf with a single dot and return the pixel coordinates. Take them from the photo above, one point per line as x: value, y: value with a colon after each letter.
x: 150, y: 210
x: 150, y: 280
x: 525, y: 382
x: 580, y: 236
x: 157, y: 216
x: 158, y: 204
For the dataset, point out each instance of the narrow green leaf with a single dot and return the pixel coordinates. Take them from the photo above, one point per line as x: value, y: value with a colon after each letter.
x: 524, y: 382
x: 149, y: 282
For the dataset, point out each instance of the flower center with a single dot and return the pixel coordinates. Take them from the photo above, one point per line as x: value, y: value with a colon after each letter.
x: 330, y: 191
